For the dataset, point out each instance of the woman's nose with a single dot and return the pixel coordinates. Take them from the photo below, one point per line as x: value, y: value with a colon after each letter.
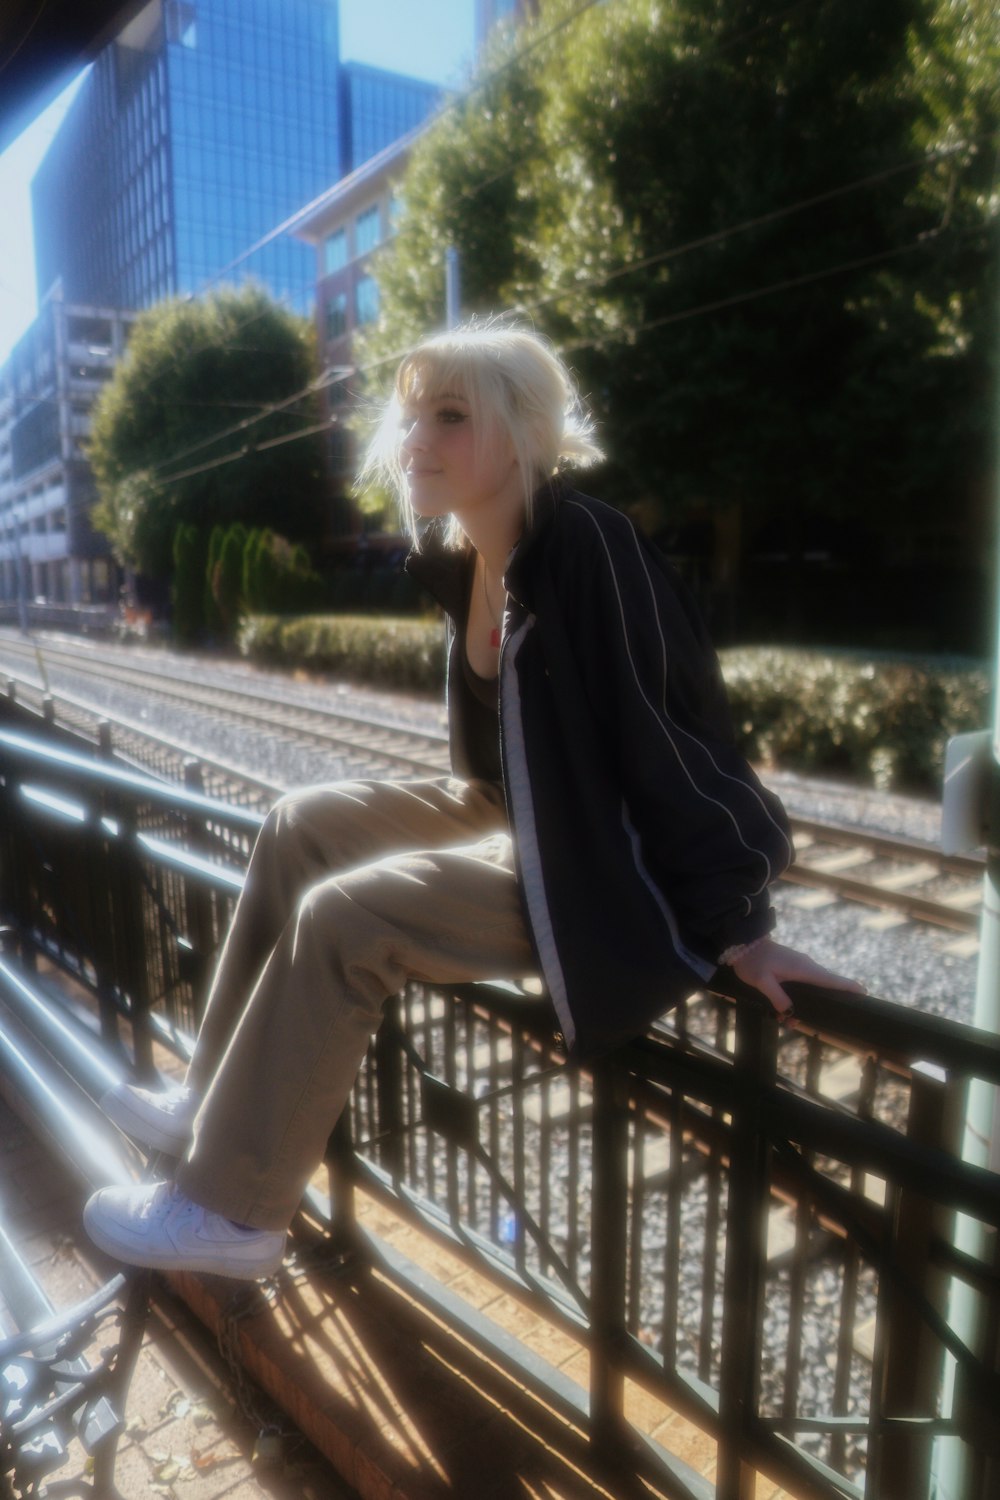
x: 414, y: 437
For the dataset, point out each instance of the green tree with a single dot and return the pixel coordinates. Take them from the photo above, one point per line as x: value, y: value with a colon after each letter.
x: 210, y: 608
x: 764, y: 237
x: 228, y: 583
x: 190, y: 427
x: 186, y: 587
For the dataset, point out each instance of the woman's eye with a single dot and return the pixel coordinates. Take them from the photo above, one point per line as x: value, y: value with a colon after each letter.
x: 449, y: 415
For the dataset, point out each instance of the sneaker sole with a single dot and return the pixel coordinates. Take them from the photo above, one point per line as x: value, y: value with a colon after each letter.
x: 157, y: 1136
x: 208, y: 1265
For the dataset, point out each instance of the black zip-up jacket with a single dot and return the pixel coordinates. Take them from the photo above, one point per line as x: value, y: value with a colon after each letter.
x: 644, y: 843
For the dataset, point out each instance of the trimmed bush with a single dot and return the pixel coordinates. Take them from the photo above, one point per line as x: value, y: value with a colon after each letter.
x: 383, y: 651
x: 880, y: 721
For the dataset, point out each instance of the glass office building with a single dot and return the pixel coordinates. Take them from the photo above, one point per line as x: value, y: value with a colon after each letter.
x: 379, y: 108
x: 202, y: 128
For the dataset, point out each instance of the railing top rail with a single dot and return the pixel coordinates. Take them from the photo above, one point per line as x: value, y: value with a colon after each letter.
x: 33, y: 751
x: 893, y: 1031
x: 869, y: 1022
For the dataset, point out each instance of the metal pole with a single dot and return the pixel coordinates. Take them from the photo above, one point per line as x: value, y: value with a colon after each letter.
x: 954, y: 1468
x: 452, y: 287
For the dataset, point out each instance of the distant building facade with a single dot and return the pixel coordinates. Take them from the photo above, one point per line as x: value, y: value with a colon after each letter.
x: 48, y: 548
x: 204, y: 126
x: 346, y: 228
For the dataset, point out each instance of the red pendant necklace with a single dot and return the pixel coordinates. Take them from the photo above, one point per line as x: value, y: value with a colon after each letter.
x: 493, y: 614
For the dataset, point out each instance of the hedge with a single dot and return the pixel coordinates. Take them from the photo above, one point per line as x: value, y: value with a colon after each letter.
x: 384, y: 651
x: 879, y: 720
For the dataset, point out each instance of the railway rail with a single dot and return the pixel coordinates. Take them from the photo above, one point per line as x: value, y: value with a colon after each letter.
x: 910, y: 878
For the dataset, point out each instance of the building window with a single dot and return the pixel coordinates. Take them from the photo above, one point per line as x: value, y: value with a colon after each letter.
x: 182, y: 24
x: 366, y: 231
x: 336, y: 316
x: 366, y: 300
x: 334, y: 252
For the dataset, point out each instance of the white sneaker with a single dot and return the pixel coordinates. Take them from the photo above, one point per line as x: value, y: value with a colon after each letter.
x: 155, y: 1224
x: 161, y: 1119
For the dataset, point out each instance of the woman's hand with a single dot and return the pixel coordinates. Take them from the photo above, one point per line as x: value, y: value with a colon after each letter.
x: 767, y: 965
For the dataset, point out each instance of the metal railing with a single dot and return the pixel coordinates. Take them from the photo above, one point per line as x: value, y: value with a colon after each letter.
x: 753, y: 1227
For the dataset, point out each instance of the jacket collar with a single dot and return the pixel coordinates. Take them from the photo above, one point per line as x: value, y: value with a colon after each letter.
x: 442, y: 570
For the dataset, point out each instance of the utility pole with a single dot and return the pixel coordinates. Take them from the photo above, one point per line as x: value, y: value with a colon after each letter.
x: 970, y: 818
x: 452, y: 288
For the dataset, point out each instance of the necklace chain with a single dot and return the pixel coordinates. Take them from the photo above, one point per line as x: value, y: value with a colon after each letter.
x: 494, y: 616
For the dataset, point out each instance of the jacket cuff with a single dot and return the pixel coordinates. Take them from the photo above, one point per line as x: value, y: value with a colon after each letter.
x: 738, y: 936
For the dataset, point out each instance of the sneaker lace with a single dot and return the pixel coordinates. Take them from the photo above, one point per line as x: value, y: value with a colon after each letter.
x: 162, y: 1200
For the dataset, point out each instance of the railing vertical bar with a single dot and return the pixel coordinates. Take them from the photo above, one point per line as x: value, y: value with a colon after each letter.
x: 428, y: 1050
x: 520, y: 1175
x: 633, y: 1306
x: 495, y: 1037
x: 545, y: 1172
x: 873, y: 1467
x: 674, y: 1210
x: 608, y: 1253
x: 410, y: 1094
x: 574, y: 1125
x: 452, y: 1192
x: 798, y: 1272
x: 756, y: 1038
x: 714, y: 1185
x: 472, y: 1086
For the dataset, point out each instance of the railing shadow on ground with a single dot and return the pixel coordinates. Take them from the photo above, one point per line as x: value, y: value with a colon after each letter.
x: 755, y: 1225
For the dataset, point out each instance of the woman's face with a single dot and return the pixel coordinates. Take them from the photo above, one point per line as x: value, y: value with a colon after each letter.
x: 447, y: 470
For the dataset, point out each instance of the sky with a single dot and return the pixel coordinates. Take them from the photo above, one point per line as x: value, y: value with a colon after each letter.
x: 429, y: 39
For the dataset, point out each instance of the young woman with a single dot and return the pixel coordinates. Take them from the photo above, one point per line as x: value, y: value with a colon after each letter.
x: 599, y: 826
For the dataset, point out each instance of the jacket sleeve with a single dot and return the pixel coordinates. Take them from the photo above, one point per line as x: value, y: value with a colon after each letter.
x: 711, y: 836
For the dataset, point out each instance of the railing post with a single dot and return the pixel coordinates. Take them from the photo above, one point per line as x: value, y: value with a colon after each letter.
x: 609, y: 1220
x: 389, y: 1087
x: 199, y: 905
x: 913, y: 1361
x: 128, y: 940
x: 746, y: 1250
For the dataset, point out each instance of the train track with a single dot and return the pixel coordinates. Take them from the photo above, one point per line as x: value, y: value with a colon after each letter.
x: 905, y: 878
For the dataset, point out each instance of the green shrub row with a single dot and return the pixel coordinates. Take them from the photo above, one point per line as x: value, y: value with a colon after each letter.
x: 883, y: 722
x: 385, y: 651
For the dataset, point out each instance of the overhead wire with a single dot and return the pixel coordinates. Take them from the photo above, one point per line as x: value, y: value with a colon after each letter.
x: 787, y: 284
x: 631, y: 332
x: 718, y: 236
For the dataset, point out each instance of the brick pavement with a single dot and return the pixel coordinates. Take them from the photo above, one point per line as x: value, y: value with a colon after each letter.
x: 184, y: 1439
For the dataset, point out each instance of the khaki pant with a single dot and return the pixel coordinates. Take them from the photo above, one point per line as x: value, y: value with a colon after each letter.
x: 352, y: 890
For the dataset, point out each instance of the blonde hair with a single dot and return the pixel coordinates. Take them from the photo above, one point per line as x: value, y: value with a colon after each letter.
x: 514, y: 383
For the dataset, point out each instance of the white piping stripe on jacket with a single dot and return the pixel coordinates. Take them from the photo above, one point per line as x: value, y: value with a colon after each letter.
x: 725, y: 775
x: 666, y: 723
x: 701, y: 966
x: 518, y: 784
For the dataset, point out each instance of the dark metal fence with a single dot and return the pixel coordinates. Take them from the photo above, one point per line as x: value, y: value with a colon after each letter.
x: 753, y: 1226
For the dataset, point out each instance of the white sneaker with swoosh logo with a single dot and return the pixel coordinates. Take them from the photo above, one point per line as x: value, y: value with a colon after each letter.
x: 155, y: 1224
x: 158, y: 1118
